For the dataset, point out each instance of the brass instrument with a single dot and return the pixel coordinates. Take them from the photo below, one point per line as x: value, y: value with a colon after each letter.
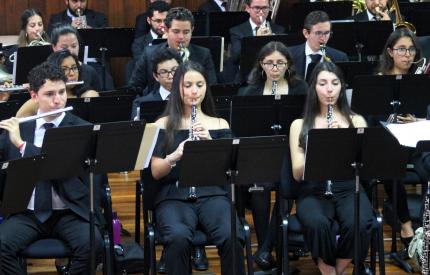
x: 82, y: 19
x: 400, y: 23
x: 274, y: 7
x: 193, y: 119
x: 184, y: 52
x: 424, y: 68
x: 38, y: 42
x: 329, y: 117
x: 323, y: 49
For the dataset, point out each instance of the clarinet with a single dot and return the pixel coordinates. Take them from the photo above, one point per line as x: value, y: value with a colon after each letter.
x: 328, y: 193
x: 274, y: 87
x: 192, y: 190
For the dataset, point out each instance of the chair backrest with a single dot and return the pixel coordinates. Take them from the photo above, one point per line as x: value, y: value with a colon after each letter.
x: 288, y: 187
x: 151, y: 188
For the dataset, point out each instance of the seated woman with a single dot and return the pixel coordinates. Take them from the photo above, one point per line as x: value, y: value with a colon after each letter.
x: 32, y: 33
x: 274, y: 65
x: 401, y: 52
x: 178, y: 214
x: 316, y: 212
x: 69, y: 64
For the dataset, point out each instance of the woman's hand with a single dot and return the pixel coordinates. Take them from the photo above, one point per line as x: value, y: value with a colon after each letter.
x: 335, y: 124
x: 200, y: 131
x: 177, y: 154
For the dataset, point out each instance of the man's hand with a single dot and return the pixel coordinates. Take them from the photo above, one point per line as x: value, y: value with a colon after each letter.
x: 12, y: 126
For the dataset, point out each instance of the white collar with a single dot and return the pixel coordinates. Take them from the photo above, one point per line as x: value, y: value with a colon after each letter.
x: 253, y: 25
x: 153, y: 34
x: 219, y: 3
x: 309, y: 51
x: 164, y: 93
x: 56, y: 121
x: 370, y: 15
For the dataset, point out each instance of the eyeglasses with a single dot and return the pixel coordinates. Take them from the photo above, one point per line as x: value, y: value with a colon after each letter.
x: 320, y: 34
x: 158, y: 21
x: 67, y: 70
x: 402, y: 51
x: 165, y: 73
x: 272, y: 66
x: 258, y: 8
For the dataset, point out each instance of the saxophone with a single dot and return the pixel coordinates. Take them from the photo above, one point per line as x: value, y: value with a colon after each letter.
x: 183, y: 52
x: 328, y: 192
x: 323, y: 48
x: 193, y: 119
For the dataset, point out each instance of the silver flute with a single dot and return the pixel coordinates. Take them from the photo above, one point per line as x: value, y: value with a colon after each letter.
x: 30, y: 118
x: 328, y: 192
x: 191, y: 135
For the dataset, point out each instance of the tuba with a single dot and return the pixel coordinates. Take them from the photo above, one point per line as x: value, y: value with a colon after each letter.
x: 400, y: 23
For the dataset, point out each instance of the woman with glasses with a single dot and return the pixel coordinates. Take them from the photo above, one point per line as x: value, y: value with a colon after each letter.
x: 69, y: 64
x: 400, y: 52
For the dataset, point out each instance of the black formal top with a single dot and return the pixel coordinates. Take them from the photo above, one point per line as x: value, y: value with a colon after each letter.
x: 363, y: 17
x: 298, y: 87
x: 141, y: 26
x: 169, y: 189
x: 94, y: 19
x: 91, y: 80
x: 142, y: 74
x: 139, y: 44
x: 153, y: 95
x: 209, y: 6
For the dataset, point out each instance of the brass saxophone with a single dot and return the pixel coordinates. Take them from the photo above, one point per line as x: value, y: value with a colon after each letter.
x: 193, y: 119
x: 323, y: 49
x: 328, y: 192
x: 183, y: 52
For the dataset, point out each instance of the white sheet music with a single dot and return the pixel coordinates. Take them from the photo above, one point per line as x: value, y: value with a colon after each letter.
x: 147, y: 146
x: 409, y: 134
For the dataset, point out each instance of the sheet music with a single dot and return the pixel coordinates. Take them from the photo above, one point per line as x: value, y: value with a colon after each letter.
x: 408, y: 134
x: 147, y: 146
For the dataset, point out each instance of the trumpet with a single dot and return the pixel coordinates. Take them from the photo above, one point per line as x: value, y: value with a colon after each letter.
x: 31, y: 118
x: 328, y: 192
x: 193, y: 119
x: 323, y: 49
x: 82, y: 24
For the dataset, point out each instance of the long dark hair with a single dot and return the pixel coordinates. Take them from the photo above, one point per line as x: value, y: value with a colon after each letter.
x: 386, y: 62
x: 26, y: 15
x: 312, y: 106
x: 174, y: 109
x: 257, y: 75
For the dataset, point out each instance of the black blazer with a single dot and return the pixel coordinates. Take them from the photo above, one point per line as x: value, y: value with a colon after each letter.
x: 298, y: 87
x: 141, y: 26
x: 142, y: 74
x: 363, y: 17
x: 139, y: 44
x: 153, y: 95
x: 94, y: 19
x: 209, y: 6
x: 244, y: 30
x: 73, y: 191
x: 299, y: 57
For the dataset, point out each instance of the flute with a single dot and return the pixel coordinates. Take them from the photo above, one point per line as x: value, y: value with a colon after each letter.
x: 31, y: 118
x: 74, y: 83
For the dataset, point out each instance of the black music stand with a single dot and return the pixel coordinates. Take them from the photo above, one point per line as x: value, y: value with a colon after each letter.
x: 384, y: 95
x: 102, y: 109
x: 201, y: 26
x: 8, y: 109
x: 18, y: 186
x: 351, y: 69
x: 220, y: 23
x: 91, y: 149
x: 224, y: 89
x: 251, y: 46
x: 107, y: 42
x: 151, y: 110
x: 360, y: 153
x: 265, y: 115
x: 27, y: 58
x: 232, y: 162
x: 360, y: 38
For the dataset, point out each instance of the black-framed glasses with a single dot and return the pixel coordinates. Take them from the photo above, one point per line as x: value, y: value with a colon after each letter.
x: 260, y: 8
x: 402, y: 51
x: 272, y: 66
x: 325, y: 34
x: 165, y: 73
x: 67, y: 70
x: 158, y: 21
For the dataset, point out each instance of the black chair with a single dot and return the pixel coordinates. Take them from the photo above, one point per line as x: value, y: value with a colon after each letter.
x: 50, y: 248
x: 291, y: 235
x: 146, y: 188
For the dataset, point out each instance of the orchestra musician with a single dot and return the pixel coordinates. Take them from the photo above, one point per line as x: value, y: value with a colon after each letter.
x: 316, y: 212
x: 141, y: 26
x: 57, y: 208
x: 177, y: 215
x: 376, y: 10
x: 71, y: 68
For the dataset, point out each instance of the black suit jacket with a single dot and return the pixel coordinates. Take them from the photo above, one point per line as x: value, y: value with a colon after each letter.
x: 298, y: 87
x: 243, y: 30
x: 139, y: 44
x: 209, y: 6
x: 141, y: 26
x: 299, y: 57
x: 363, y: 17
x: 142, y: 74
x: 153, y: 95
x: 73, y: 191
x: 94, y: 19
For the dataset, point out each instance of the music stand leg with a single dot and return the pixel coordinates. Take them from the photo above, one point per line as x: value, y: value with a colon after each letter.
x: 356, y: 219
x: 232, y: 175
x: 91, y: 163
x: 103, y: 50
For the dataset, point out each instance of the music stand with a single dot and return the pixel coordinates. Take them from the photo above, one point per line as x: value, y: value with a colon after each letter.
x: 351, y: 69
x: 18, y: 186
x: 91, y: 149
x: 201, y: 26
x: 8, y: 109
x: 360, y: 38
x: 269, y: 114
x: 27, y: 58
x: 105, y: 43
x: 224, y: 89
x: 151, y: 110
x: 232, y: 162
x: 251, y: 46
x: 220, y: 23
x: 360, y: 153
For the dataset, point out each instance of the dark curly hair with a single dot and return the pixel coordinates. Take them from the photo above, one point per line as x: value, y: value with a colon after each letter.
x: 45, y: 71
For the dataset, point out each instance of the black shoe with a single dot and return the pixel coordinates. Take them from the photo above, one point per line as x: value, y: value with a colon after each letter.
x: 364, y: 269
x: 199, y: 261
x: 161, y: 265
x: 264, y: 260
x: 404, y: 254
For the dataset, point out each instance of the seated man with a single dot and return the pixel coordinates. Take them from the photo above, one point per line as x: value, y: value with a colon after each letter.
x: 213, y: 6
x: 57, y: 208
x: 180, y: 24
x: 317, y: 31
x: 376, y: 10
x: 141, y: 26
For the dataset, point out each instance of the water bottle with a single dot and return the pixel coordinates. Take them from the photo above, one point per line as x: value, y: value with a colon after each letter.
x: 116, y: 229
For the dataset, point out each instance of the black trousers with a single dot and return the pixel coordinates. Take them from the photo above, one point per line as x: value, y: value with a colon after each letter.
x: 20, y: 230
x: 320, y: 218
x: 177, y: 221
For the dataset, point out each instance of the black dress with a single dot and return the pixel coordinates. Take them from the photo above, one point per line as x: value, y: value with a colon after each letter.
x: 177, y: 217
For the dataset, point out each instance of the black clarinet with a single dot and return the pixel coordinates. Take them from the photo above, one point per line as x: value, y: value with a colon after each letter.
x: 192, y: 190
x: 328, y: 193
